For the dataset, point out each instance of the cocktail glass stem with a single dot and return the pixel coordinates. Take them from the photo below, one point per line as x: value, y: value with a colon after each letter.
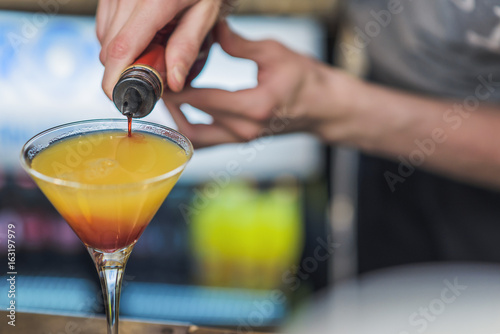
x: 111, y: 267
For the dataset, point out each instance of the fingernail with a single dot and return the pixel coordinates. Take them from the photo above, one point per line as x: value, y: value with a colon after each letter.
x: 179, y: 75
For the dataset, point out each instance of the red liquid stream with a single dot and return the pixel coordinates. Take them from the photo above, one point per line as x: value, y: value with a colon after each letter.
x: 129, y: 126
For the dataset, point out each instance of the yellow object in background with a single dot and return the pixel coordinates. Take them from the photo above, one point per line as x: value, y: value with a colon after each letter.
x: 246, y: 237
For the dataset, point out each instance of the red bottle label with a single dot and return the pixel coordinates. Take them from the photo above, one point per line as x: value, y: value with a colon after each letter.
x: 154, y: 55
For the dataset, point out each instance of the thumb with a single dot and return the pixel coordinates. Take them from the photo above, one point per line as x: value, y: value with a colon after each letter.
x: 235, y: 45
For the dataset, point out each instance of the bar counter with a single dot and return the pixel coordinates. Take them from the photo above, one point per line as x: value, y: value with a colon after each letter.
x: 36, y: 323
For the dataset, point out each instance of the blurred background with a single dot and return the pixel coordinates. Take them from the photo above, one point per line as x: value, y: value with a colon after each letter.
x: 245, y: 224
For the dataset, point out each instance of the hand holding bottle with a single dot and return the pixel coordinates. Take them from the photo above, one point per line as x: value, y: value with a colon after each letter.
x: 125, y: 29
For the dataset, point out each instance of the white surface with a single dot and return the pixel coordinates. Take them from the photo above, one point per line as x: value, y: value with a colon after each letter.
x: 431, y: 299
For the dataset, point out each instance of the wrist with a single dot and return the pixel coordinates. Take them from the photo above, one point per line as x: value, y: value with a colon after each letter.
x: 344, y: 108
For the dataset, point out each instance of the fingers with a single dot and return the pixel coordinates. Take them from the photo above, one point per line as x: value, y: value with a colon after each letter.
x: 119, y: 16
x: 133, y: 37
x: 125, y: 28
x: 103, y: 17
x: 225, y: 129
x: 178, y: 116
x: 243, y: 129
x: 184, y: 44
x: 228, y: 126
x: 210, y: 135
x: 263, y: 52
x: 255, y: 103
x: 237, y: 46
x: 200, y: 135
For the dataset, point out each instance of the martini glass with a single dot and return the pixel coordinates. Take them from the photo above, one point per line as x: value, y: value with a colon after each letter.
x: 108, y: 214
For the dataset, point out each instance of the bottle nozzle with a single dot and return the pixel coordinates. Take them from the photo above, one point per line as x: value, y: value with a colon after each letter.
x: 136, y: 92
x: 132, y: 102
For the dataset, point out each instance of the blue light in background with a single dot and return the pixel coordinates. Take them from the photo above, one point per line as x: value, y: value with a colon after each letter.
x: 51, y: 294
x: 199, y: 305
x: 150, y: 301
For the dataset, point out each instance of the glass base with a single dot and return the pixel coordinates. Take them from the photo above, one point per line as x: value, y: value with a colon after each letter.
x: 111, y: 267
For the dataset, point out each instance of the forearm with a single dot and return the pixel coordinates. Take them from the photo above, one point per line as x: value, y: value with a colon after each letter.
x: 459, y: 139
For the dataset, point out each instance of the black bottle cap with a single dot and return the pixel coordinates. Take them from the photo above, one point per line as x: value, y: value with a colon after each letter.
x: 136, y: 92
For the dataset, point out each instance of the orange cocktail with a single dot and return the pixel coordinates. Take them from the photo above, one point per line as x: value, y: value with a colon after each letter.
x: 108, y: 186
x: 111, y: 217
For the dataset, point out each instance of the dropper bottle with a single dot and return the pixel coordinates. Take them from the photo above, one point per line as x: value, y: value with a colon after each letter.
x: 141, y: 84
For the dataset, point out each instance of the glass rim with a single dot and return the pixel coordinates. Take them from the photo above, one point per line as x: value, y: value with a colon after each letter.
x: 76, y: 184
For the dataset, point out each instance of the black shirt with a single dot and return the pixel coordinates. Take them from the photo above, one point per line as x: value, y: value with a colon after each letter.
x: 434, y: 48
